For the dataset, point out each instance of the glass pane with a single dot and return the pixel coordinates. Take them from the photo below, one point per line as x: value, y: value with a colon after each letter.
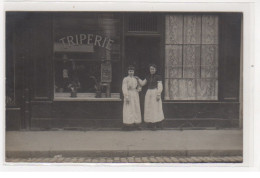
x: 209, y: 29
x: 84, y: 75
x: 209, y: 55
x: 207, y: 89
x: 191, y: 72
x: 173, y: 29
x: 180, y: 89
x: 173, y: 61
x: 191, y: 55
x: 191, y: 61
x: 82, y: 42
x: 81, y: 72
x: 209, y: 72
x: 87, y: 36
x: 173, y: 55
x: 192, y: 29
x: 173, y: 72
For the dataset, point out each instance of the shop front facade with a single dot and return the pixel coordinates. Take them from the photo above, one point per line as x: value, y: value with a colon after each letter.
x: 64, y: 70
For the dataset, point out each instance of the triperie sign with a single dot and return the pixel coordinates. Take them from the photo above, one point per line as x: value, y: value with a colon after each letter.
x: 86, y: 39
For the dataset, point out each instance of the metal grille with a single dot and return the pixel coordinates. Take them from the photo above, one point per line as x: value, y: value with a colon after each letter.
x: 142, y: 23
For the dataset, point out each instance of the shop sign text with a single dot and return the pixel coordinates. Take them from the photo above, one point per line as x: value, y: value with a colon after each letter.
x: 81, y: 39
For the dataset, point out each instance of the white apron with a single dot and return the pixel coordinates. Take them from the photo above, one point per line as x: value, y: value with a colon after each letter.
x: 152, y: 108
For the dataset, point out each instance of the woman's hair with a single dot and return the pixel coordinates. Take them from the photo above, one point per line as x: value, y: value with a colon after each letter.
x: 153, y: 65
x: 131, y: 67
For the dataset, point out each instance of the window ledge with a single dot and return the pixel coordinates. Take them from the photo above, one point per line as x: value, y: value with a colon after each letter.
x: 86, y: 97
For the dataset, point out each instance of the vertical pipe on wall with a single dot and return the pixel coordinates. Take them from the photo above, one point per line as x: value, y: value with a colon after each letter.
x: 27, y: 75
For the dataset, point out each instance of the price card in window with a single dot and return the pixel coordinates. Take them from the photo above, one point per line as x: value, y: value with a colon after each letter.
x: 106, y: 72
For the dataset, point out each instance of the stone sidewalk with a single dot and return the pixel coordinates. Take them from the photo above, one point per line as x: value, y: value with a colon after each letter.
x: 122, y: 144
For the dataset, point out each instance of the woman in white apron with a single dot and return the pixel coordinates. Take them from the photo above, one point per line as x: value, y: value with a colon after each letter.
x: 131, y: 109
x: 153, y: 113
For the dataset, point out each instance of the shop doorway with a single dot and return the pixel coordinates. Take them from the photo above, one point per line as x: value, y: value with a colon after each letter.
x: 140, y: 52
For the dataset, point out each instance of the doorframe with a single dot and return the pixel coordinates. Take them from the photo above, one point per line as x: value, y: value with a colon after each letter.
x: 159, y: 34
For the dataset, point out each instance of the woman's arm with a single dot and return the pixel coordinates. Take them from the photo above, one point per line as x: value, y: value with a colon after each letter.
x: 159, y: 87
x: 124, y: 88
x: 159, y: 90
x: 141, y: 82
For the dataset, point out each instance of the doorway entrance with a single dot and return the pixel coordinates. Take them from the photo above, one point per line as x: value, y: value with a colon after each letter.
x: 140, y: 52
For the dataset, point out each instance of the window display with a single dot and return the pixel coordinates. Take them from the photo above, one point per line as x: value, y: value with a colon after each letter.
x: 86, y: 52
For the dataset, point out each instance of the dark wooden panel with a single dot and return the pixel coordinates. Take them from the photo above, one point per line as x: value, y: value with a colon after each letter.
x: 88, y: 110
x: 82, y: 115
x: 10, y: 61
x: 229, y: 64
x: 16, y: 37
x: 13, y: 119
x: 198, y: 124
x: 41, y: 55
x: 41, y: 110
x: 75, y: 124
x: 201, y: 110
x: 76, y: 115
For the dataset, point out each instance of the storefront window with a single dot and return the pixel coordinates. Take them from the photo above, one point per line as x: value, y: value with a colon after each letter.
x: 86, y: 54
x: 191, y: 57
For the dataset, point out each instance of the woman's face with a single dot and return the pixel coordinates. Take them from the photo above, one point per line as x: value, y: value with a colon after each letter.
x: 131, y: 72
x: 152, y: 70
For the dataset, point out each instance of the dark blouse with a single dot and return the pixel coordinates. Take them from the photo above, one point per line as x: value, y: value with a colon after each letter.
x: 152, y: 80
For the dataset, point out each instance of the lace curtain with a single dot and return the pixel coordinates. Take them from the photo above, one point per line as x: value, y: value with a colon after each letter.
x: 191, y: 52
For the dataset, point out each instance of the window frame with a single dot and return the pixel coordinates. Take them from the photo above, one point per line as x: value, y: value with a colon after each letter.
x: 218, y: 100
x: 117, y: 95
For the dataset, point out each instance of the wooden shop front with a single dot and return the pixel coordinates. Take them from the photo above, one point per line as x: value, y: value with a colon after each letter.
x: 64, y: 70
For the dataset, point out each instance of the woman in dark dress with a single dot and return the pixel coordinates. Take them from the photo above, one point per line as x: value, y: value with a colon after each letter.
x: 153, y: 113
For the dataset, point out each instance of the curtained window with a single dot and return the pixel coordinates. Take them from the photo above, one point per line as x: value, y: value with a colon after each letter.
x: 191, y: 57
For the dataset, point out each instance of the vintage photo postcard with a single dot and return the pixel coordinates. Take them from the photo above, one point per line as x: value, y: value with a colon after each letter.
x: 131, y: 83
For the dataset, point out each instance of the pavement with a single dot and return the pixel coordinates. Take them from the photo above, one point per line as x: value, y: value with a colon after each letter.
x: 125, y: 146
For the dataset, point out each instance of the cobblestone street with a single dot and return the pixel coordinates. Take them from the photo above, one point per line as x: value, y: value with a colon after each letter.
x: 149, y: 159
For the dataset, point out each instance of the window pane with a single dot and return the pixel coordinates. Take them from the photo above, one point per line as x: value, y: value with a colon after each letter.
x: 207, y: 89
x: 174, y: 29
x: 209, y: 72
x: 209, y: 29
x: 82, y: 42
x: 180, y: 89
x: 192, y: 29
x: 87, y: 36
x: 209, y: 61
x: 84, y: 73
x: 81, y: 72
x: 191, y: 61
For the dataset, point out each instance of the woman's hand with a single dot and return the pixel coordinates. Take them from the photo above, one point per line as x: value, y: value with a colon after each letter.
x: 139, y: 88
x: 127, y: 100
x: 158, y: 97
